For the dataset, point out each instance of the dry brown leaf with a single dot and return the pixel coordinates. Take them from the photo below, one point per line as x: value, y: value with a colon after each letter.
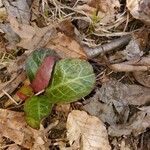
x: 142, y: 77
x: 19, y: 17
x: 140, y: 9
x: 66, y: 46
x: 14, y: 147
x: 10, y: 35
x: 103, y: 111
x: 138, y: 123
x: 114, y: 91
x: 106, y: 9
x: 132, y: 50
x: 124, y: 146
x: 32, y: 37
x: 14, y: 127
x: 12, y: 84
x: 16, y: 70
x: 89, y: 130
x: 18, y: 9
x: 3, y: 14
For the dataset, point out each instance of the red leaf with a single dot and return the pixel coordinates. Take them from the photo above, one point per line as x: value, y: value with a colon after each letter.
x: 22, y: 96
x: 43, y: 74
x: 25, y: 92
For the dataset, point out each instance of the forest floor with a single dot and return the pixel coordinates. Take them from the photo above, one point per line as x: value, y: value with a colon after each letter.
x: 113, y: 36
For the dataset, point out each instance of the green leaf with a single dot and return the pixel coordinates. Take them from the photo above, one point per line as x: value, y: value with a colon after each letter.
x: 35, y: 60
x: 72, y: 80
x: 36, y: 108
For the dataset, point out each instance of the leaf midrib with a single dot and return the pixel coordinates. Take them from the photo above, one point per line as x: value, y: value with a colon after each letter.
x: 66, y: 83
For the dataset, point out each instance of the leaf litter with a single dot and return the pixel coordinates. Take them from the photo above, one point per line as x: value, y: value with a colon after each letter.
x: 118, y: 109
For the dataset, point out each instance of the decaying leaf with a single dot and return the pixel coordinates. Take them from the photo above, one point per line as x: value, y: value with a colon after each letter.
x: 14, y: 127
x: 133, y: 50
x: 142, y: 77
x: 140, y: 9
x: 89, y: 131
x: 66, y: 46
x: 15, y: 68
x: 113, y: 91
x: 32, y: 37
x: 18, y: 9
x: 24, y: 92
x: 19, y: 18
x: 12, y: 84
x: 104, y: 11
x: 14, y: 147
x: 137, y: 124
x: 101, y: 110
x: 10, y: 35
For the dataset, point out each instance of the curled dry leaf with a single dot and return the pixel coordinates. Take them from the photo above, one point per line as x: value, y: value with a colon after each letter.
x: 89, y: 130
x: 140, y: 9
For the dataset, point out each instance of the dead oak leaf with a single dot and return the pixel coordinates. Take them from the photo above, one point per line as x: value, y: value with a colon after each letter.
x: 89, y: 130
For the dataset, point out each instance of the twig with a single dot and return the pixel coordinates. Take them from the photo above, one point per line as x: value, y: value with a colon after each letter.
x: 144, y: 61
x: 117, y: 43
x: 122, y: 67
x: 10, y: 97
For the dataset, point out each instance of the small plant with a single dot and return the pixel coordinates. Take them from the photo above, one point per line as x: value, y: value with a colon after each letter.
x: 64, y: 81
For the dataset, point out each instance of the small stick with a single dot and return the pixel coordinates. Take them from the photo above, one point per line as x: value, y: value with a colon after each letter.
x: 117, y: 43
x: 144, y: 61
x: 10, y: 97
x: 122, y: 67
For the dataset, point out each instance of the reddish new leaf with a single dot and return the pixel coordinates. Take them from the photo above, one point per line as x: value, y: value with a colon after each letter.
x: 43, y: 74
x: 25, y: 92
